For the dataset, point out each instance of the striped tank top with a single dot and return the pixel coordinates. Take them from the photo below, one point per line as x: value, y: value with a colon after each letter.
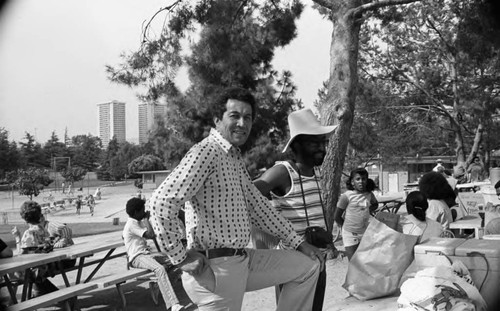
x: 291, y: 205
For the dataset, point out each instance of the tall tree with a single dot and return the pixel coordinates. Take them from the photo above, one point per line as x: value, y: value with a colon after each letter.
x: 115, y: 160
x: 31, y: 152
x: 85, y: 151
x: 347, y: 18
x: 235, y: 47
x: 9, y: 154
x: 429, y: 61
x: 54, y: 148
x: 73, y: 174
x: 30, y: 181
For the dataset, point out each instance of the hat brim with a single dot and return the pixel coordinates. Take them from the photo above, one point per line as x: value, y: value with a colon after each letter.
x: 317, y: 131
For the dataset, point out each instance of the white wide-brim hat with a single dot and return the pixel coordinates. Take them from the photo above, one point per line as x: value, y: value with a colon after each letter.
x: 304, y: 122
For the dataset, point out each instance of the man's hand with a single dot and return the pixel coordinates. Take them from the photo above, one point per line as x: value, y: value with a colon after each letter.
x: 195, y: 263
x: 313, y: 252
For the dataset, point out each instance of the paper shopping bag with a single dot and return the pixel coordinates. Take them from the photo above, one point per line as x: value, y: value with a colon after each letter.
x: 379, y: 262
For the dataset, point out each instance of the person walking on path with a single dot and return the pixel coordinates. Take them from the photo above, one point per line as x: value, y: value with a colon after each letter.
x: 212, y: 177
x: 91, y: 204
x: 78, y: 204
x: 97, y: 194
x: 135, y: 232
x: 293, y: 185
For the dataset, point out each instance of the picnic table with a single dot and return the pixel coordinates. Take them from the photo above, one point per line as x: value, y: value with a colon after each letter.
x: 468, y: 222
x: 81, y: 250
x: 391, y: 201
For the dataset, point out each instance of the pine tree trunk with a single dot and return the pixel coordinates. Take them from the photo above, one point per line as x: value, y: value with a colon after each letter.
x: 340, y: 104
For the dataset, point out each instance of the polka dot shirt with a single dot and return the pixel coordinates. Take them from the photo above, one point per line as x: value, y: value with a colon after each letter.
x: 222, y: 202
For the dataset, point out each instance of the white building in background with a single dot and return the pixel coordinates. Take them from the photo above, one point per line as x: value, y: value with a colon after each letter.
x: 111, y: 122
x: 147, y: 114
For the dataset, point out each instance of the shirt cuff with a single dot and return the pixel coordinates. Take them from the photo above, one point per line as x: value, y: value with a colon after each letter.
x: 294, y: 240
x: 177, y: 254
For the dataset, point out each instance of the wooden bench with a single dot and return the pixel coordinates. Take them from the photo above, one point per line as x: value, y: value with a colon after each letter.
x: 120, y: 278
x: 53, y: 298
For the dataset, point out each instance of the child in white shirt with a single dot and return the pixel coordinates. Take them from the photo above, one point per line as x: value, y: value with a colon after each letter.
x: 136, y: 231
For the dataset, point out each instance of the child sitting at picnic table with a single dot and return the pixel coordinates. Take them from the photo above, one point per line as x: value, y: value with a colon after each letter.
x: 440, y: 197
x: 42, y: 235
x: 416, y: 222
x: 136, y: 231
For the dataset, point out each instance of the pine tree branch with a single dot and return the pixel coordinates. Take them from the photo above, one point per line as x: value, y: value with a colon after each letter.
x: 326, y: 4
x: 148, y: 24
x: 377, y: 5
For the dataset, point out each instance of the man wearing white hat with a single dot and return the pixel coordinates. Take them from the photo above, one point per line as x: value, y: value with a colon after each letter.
x: 294, y: 185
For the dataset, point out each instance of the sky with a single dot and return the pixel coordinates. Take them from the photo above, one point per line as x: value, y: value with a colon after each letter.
x: 53, y: 55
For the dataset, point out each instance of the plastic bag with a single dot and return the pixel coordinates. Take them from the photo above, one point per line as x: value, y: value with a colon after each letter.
x: 441, y: 288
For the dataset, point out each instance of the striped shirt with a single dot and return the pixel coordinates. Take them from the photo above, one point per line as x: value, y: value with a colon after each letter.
x: 224, y: 203
x: 291, y: 205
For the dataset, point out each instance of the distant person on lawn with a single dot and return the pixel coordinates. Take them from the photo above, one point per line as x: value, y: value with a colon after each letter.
x: 136, y: 231
x: 97, y: 194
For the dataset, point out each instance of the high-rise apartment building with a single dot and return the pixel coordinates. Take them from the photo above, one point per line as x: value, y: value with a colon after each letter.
x: 111, y: 122
x: 147, y: 114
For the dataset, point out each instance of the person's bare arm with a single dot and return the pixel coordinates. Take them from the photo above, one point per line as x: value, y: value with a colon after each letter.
x: 275, y: 179
x: 339, y: 211
x: 149, y: 234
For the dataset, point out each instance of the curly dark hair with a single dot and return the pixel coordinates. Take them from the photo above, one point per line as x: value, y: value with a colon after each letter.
x: 416, y: 204
x: 31, y: 212
x: 236, y: 93
x: 362, y: 172
x: 435, y: 187
x: 134, y: 205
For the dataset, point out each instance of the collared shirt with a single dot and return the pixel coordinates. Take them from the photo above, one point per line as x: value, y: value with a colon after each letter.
x: 224, y: 203
x: 135, y: 243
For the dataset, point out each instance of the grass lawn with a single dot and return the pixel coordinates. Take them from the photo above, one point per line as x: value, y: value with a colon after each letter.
x: 79, y: 229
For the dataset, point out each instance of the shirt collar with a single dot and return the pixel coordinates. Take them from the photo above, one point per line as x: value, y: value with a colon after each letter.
x: 221, y: 141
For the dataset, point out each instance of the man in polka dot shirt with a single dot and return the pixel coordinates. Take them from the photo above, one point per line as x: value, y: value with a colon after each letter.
x: 222, y: 206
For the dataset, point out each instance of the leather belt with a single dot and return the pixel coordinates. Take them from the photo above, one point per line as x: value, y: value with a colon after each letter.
x: 223, y: 252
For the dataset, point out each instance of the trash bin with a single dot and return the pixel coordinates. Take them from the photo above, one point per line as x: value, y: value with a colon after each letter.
x: 116, y: 221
